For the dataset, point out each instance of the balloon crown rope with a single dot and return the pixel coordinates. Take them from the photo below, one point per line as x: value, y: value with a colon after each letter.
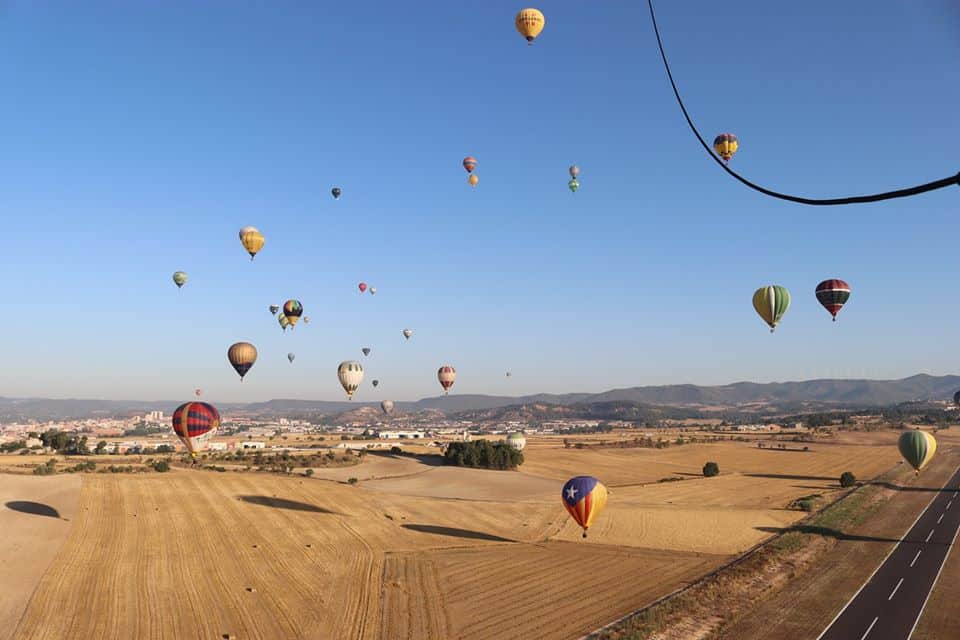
x: 877, y: 197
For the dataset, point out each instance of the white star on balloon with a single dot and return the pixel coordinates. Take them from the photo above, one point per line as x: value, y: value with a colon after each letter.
x: 572, y: 493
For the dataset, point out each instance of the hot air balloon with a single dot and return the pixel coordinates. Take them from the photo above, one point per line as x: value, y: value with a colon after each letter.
x: 387, y: 406
x: 293, y: 310
x: 574, y: 171
x: 242, y: 355
x: 517, y: 441
x: 725, y: 145
x: 469, y: 163
x: 306, y: 319
x: 336, y: 193
x: 833, y: 294
x: 407, y: 333
x: 771, y: 302
x: 376, y: 382
x: 509, y: 374
x: 252, y: 240
x: 573, y: 185
x: 446, y: 375
x: 362, y: 286
x: 197, y: 392
x: 366, y: 351
x: 473, y: 180
x: 274, y: 308
x: 584, y: 497
x: 529, y: 23
x: 917, y: 447
x: 291, y: 356
x: 350, y: 374
x: 284, y: 321
x: 373, y: 291
x: 179, y: 278
x: 195, y: 423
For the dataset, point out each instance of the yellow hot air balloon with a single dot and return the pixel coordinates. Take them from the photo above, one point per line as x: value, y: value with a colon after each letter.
x: 242, y: 355
x: 252, y: 240
x: 473, y: 180
x: 529, y: 23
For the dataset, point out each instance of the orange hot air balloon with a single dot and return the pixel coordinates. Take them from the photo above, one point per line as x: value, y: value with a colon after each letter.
x: 530, y: 23
x: 473, y: 180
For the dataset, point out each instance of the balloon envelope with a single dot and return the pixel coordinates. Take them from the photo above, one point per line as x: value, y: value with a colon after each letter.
x: 292, y: 309
x: 274, y: 308
x: 473, y: 180
x: 387, y: 406
x: 252, y: 240
x: 242, y: 355
x: 291, y: 356
x: 529, y: 23
x: 833, y: 294
x: 350, y: 374
x: 336, y: 193
x: 179, y: 278
x: 195, y: 423
x: 469, y: 163
x: 584, y: 498
x: 373, y: 290
x: 574, y: 171
x: 917, y: 448
x: 407, y: 333
x: 573, y: 185
x: 447, y: 375
x: 517, y: 440
x: 366, y: 351
x: 726, y: 144
x: 362, y: 286
x: 771, y: 302
x: 376, y: 382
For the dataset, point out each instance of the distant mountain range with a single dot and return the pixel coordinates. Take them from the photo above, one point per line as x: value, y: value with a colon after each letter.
x: 790, y: 396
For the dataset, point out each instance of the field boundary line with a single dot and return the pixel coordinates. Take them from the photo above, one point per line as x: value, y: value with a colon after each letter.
x: 737, y: 560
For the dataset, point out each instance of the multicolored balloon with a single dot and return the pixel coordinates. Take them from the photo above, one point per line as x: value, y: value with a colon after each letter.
x: 387, y: 406
x: 195, y: 423
x: 726, y: 144
x: 292, y: 309
x: 771, y: 302
x: 529, y: 22
x: 833, y: 294
x: 573, y: 185
x: 252, y: 240
x: 362, y: 286
x: 336, y: 193
x: 917, y: 448
x: 284, y: 321
x: 584, y: 498
x: 242, y: 355
x: 350, y: 374
x: 179, y: 278
x: 469, y: 163
x: 447, y: 375
x: 197, y: 392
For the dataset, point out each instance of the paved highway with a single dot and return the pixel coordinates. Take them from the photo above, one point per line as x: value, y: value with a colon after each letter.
x: 889, y: 604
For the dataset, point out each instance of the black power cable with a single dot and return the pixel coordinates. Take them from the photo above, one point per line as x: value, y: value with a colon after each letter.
x: 877, y: 197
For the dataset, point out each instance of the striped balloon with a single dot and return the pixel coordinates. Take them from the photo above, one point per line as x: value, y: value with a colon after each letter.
x: 584, y: 498
x: 771, y: 302
x: 917, y: 448
x: 469, y: 163
x: 195, y: 423
x: 447, y: 376
x: 350, y: 374
x: 833, y: 294
x: 242, y: 355
x: 726, y: 144
x: 292, y: 309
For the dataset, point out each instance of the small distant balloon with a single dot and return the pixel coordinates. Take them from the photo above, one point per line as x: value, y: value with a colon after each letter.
x: 197, y: 392
x: 373, y: 290
x: 447, y: 375
x: 366, y: 351
x: 376, y: 382
x: 362, y: 286
x: 407, y: 333
x: 574, y: 171
x: 306, y: 319
x: 473, y: 180
x: 509, y: 374
x: 573, y: 185
x: 284, y: 321
x: 469, y: 163
x: 252, y: 240
x: 529, y: 23
x: 274, y: 308
x: 242, y: 355
x: 179, y: 278
x: 350, y: 374
x: 726, y: 144
x: 387, y: 406
x: 291, y: 356
x: 336, y: 193
x: 292, y: 309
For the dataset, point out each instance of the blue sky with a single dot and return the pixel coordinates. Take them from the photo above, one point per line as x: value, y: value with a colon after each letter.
x: 137, y: 138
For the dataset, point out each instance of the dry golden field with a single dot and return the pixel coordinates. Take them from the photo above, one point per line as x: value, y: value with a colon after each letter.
x: 413, y: 550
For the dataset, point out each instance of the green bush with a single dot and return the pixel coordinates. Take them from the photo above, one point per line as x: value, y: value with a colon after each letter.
x: 161, y: 466
x: 711, y: 469
x: 353, y: 481
x: 308, y: 472
x: 847, y: 479
x: 805, y: 504
x: 483, y: 454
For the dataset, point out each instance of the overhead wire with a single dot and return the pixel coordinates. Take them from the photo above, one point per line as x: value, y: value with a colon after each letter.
x: 876, y: 197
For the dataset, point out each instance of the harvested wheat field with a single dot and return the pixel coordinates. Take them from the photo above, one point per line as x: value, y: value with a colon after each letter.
x: 414, y: 550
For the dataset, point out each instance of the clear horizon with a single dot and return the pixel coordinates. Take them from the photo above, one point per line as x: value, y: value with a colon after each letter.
x: 139, y: 139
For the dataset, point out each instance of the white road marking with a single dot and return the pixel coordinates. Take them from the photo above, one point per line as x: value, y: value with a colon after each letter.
x: 892, y: 593
x: 870, y: 628
x: 940, y: 519
x: 915, y: 558
x: 929, y: 535
x: 949, y: 503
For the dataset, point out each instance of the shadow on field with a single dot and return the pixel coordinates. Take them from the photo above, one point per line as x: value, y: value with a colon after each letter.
x: 897, y: 487
x: 283, y: 503
x: 456, y: 533
x: 33, y: 508
x: 827, y: 532
x: 432, y: 460
x: 783, y: 476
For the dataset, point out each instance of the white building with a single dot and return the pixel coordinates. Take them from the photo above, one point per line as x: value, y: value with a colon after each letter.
x: 401, y: 435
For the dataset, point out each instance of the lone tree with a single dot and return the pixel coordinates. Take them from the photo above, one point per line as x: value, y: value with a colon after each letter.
x: 847, y: 479
x: 711, y: 469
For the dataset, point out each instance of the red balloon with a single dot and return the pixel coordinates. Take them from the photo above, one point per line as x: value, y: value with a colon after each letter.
x: 469, y: 163
x: 363, y: 286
